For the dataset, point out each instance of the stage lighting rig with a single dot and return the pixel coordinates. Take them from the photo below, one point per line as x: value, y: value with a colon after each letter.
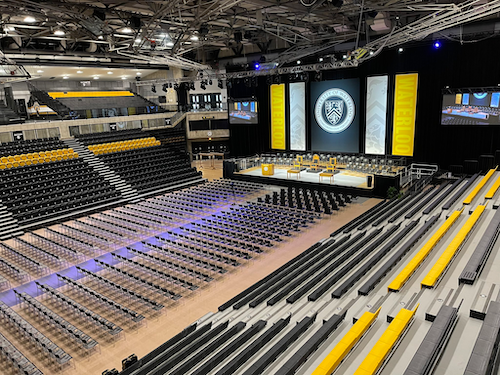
x: 219, y: 84
x: 203, y: 85
x: 153, y: 88
x: 165, y: 87
x: 176, y: 86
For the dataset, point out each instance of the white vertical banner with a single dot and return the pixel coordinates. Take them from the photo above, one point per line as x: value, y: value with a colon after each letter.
x: 297, y: 110
x: 376, y: 114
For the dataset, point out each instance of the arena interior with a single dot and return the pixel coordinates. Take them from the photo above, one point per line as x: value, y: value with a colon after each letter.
x: 249, y: 187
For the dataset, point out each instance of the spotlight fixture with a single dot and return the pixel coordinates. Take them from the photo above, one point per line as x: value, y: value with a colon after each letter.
x: 100, y: 37
x: 344, y: 56
x: 210, y: 82
x: 318, y: 76
x: 170, y: 85
x: 165, y: 87
x: 437, y: 44
x: 298, y: 62
x: 203, y: 85
x: 219, y: 84
x: 191, y: 86
x: 371, y: 53
x: 153, y: 88
x: 126, y: 30
x: 400, y: 49
x: 176, y: 86
x: 320, y: 59
x: 257, y: 66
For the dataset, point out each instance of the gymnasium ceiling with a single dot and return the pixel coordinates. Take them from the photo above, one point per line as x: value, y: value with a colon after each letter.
x: 195, y: 34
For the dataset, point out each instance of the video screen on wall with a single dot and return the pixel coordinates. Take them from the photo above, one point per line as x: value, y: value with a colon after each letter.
x: 243, y: 112
x: 335, y: 115
x: 473, y: 108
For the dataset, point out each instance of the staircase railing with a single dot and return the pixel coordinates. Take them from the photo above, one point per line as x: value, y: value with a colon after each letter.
x: 44, y: 98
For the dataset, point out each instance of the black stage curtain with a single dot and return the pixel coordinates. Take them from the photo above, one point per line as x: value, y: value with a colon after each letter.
x: 453, y: 65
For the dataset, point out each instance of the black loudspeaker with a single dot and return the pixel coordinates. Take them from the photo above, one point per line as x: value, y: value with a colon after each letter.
x: 238, y: 36
x: 21, y: 105
x: 129, y: 361
x: 369, y: 181
x: 135, y: 22
x: 110, y: 372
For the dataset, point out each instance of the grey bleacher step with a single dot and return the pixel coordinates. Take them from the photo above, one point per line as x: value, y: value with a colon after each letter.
x: 487, y: 292
x: 442, y: 299
x: 4, y: 214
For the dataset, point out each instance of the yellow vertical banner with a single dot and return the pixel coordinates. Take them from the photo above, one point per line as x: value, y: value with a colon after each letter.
x: 278, y: 117
x: 405, y: 108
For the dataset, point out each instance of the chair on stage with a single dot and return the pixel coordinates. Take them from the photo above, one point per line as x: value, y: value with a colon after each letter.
x: 297, y: 167
x: 315, y: 163
x: 330, y: 170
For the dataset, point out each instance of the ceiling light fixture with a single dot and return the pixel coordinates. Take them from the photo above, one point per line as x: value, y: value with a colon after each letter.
x: 100, y: 37
x: 124, y: 77
x: 79, y: 71
x: 59, y: 32
x: 194, y: 37
x: 371, y: 52
x: 320, y: 59
x: 400, y: 49
x: 169, y: 44
x: 96, y: 77
x: 298, y: 62
x: 138, y: 73
x: 126, y: 30
x: 29, y: 19
x: 65, y: 77
x: 110, y: 72
x: 39, y: 71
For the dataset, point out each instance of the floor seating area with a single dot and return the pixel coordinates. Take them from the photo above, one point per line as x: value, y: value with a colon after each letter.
x: 311, y: 200
x: 112, y: 273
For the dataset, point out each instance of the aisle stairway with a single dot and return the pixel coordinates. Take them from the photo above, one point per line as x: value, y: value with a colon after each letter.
x: 127, y: 191
x: 8, y: 224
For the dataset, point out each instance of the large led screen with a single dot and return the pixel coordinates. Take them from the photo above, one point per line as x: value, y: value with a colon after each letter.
x: 335, y: 116
x: 478, y: 108
x: 243, y: 112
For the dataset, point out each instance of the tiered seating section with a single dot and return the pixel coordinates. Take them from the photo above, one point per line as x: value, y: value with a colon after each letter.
x: 147, y: 165
x: 43, y: 185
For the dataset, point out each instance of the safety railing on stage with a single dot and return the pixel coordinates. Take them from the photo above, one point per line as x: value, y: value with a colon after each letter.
x: 416, y: 173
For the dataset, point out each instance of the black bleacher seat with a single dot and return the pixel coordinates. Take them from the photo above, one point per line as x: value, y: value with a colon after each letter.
x: 46, y: 190
x: 108, y: 137
x: 29, y: 146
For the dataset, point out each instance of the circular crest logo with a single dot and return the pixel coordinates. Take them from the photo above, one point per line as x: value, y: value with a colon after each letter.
x: 334, y: 110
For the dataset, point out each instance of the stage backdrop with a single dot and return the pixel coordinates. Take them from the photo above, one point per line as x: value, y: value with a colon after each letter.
x: 405, y: 112
x: 278, y: 138
x: 297, y: 94
x: 335, y: 115
x: 376, y: 114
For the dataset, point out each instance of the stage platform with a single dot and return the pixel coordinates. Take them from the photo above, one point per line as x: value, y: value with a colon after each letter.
x: 342, y: 178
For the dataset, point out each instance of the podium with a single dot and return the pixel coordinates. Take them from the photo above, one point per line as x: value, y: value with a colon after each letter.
x: 267, y: 169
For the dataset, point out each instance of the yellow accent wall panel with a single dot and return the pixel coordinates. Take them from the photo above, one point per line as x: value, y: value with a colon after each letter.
x: 278, y: 117
x: 405, y: 108
x: 88, y: 94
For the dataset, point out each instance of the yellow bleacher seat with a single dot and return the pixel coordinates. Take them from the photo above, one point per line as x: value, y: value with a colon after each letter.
x: 398, y: 282
x: 9, y: 165
x: 75, y: 154
x: 29, y: 156
x: 345, y: 345
x: 59, y: 158
x: 490, y: 194
x: 34, y: 161
x: 28, y: 162
x: 4, y: 160
x: 434, y: 275
x: 383, y: 347
x: 3, y: 166
x: 10, y: 159
x: 479, y: 186
x: 53, y: 158
x: 17, y: 157
x: 59, y: 152
x: 23, y: 156
x: 22, y: 163
x: 15, y: 164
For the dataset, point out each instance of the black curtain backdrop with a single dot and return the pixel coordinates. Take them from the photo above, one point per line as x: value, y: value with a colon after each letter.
x: 453, y: 65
